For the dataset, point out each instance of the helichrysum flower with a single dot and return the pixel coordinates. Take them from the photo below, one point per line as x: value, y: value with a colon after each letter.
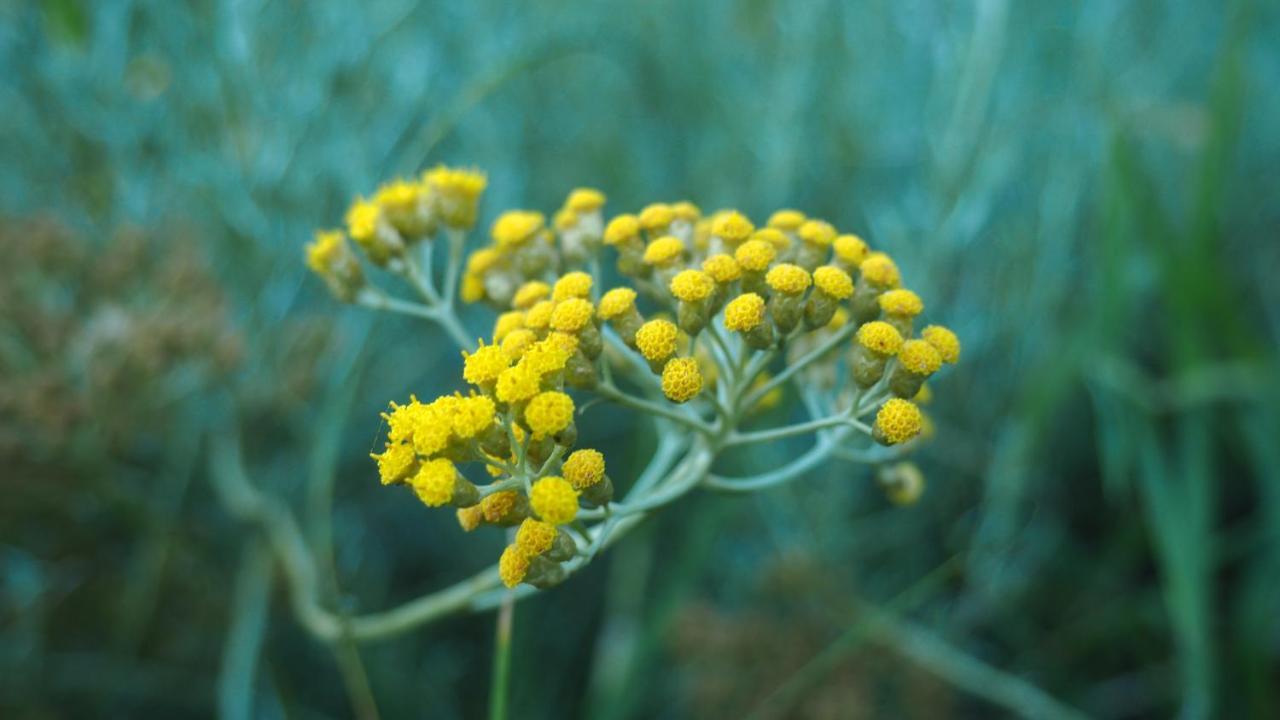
x: 733, y: 227
x: 549, y: 413
x: 656, y: 340
x: 787, y: 220
x: 473, y: 416
x: 517, y: 342
x: 897, y: 421
x: 516, y: 227
x: 572, y: 315
x: 572, y: 285
x: 656, y: 217
x: 513, y: 565
x: 585, y: 200
x: 755, y: 255
x: 456, y: 192
x: 692, y: 286
x: 850, y: 251
x: 686, y: 211
x: 435, y: 482
x: 817, y: 232
x: 554, y: 500
x: 396, y: 463
x: 517, y: 384
x: 880, y: 337
x: 919, y: 357
x: 482, y: 367
x: 681, y: 380
x: 833, y: 282
x: 470, y: 518
x: 621, y: 230
x: 722, y: 268
x: 944, y: 341
x: 331, y: 258
x: 535, y: 537
x: 879, y: 270
x: 583, y: 468
x: 744, y: 313
x: 538, y: 316
x: 505, y: 507
x: 664, y: 251
x: 529, y: 294
x: 617, y: 302
x: 788, y: 279
x: 506, y: 323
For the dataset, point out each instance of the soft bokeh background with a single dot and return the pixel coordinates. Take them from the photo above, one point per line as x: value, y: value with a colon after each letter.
x: 1089, y: 192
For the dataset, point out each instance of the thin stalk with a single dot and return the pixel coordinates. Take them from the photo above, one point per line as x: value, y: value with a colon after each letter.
x: 804, y: 428
x: 802, y: 362
x: 499, y: 692
x: 613, y: 393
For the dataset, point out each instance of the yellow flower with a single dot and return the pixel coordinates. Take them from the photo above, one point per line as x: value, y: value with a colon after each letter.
x: 584, y: 200
x: 692, y: 286
x: 919, y: 357
x: 817, y: 232
x: 549, y: 355
x: 722, y: 268
x: 432, y: 429
x: 755, y: 255
x: 513, y: 565
x: 833, y: 281
x: 482, y: 261
x: 472, y: 290
x: 584, y: 468
x: 898, y: 421
x: 435, y: 482
x: 538, y: 317
x: 902, y: 303
x: 469, y: 518
x: 530, y: 293
x: 903, y: 483
x: 395, y: 462
x: 621, y: 229
x: 787, y: 220
x: 457, y: 192
x: 617, y: 302
x: 506, y: 323
x: 663, y: 251
x: 517, y: 384
x: 572, y: 315
x: 554, y: 500
x: 656, y: 217
x: 944, y: 341
x: 744, y: 313
x: 573, y: 285
x: 656, y: 340
x: 362, y: 221
x: 398, y: 196
x: 851, y: 250
x: 516, y: 227
x: 472, y: 416
x: 681, y: 380
x: 733, y: 227
x: 328, y: 248
x: 549, y: 413
x: 879, y: 270
x: 788, y: 279
x: 535, y: 537
x: 686, y: 211
x: 517, y: 342
x: 880, y: 337
x: 484, y: 365
x: 499, y: 505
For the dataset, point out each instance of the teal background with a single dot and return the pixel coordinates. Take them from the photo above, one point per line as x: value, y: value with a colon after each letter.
x: 1087, y: 192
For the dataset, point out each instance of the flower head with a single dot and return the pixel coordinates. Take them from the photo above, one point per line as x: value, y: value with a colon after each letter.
x: 529, y: 293
x: 506, y: 323
x: 817, y: 232
x: 788, y: 279
x: 395, y: 462
x: 621, y: 229
x: 576, y: 284
x: 435, y: 481
x: 584, y: 468
x: 851, y: 250
x: 692, y: 286
x: 549, y: 413
x: 572, y: 315
x: 774, y: 237
x: 457, y: 192
x: 538, y: 316
x: 744, y: 313
x: 787, y: 220
x: 722, y: 268
x: 919, y: 357
x: 472, y: 416
x: 733, y: 227
x: 656, y: 340
x: 879, y: 270
x: 944, y: 341
x: 362, y: 221
x: 516, y: 227
x: 898, y: 421
x: 483, y: 366
x: 617, y: 302
x: 664, y: 251
x: 833, y: 281
x: 755, y: 255
x: 656, y: 217
x: 517, y: 384
x: 880, y: 337
x: 584, y: 200
x: 901, y: 303
x: 681, y: 380
x: 554, y: 500
x: 517, y: 342
x: 513, y: 565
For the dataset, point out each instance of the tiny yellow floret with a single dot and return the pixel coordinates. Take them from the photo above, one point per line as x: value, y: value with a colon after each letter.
x: 901, y: 303
x: 497, y: 506
x: 517, y: 342
x: 584, y: 468
x: 616, y: 302
x: 788, y: 279
x: 744, y: 313
x: 880, y: 337
x: 435, y: 482
x: 506, y: 323
x: 692, y: 286
x: 549, y: 413
x: 722, y: 268
x: 517, y: 384
x: 395, y: 462
x: 787, y: 220
x: 584, y: 200
x: 469, y: 518
x: 572, y: 315
x: 919, y: 357
x: 472, y: 416
x: 324, y: 252
x: 833, y: 282
x: 755, y: 255
x: 774, y: 237
x: 944, y: 341
x: 482, y: 261
x: 516, y: 227
x: 664, y: 251
x: 733, y: 227
x: 530, y: 293
x: 576, y: 284
x: 554, y: 500
x: 686, y: 211
x: 535, y: 536
x: 898, y: 421
x: 656, y: 340
x: 817, y: 232
x: 879, y: 270
x: 538, y: 316
x: 851, y: 249
x: 483, y: 366
x: 362, y: 220
x: 656, y: 217
x: 621, y: 229
x: 681, y: 380
x: 513, y: 565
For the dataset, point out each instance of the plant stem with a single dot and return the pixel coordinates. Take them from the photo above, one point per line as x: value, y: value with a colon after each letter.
x: 502, y: 658
x: 613, y: 393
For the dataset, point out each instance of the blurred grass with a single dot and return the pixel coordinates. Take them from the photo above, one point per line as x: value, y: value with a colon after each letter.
x: 1086, y: 192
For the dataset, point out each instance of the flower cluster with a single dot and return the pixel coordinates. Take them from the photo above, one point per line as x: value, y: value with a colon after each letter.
x: 703, y: 307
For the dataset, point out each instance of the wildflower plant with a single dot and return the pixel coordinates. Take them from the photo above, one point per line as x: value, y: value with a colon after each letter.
x: 710, y: 320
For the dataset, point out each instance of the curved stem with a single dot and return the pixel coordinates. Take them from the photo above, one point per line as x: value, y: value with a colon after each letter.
x: 613, y: 393
x: 804, y: 428
x: 802, y: 362
x: 819, y: 452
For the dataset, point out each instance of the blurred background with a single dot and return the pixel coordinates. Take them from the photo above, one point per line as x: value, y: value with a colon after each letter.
x: 1088, y: 192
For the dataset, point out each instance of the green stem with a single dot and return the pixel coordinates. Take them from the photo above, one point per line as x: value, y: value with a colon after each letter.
x: 804, y: 361
x: 498, y: 693
x: 613, y: 393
